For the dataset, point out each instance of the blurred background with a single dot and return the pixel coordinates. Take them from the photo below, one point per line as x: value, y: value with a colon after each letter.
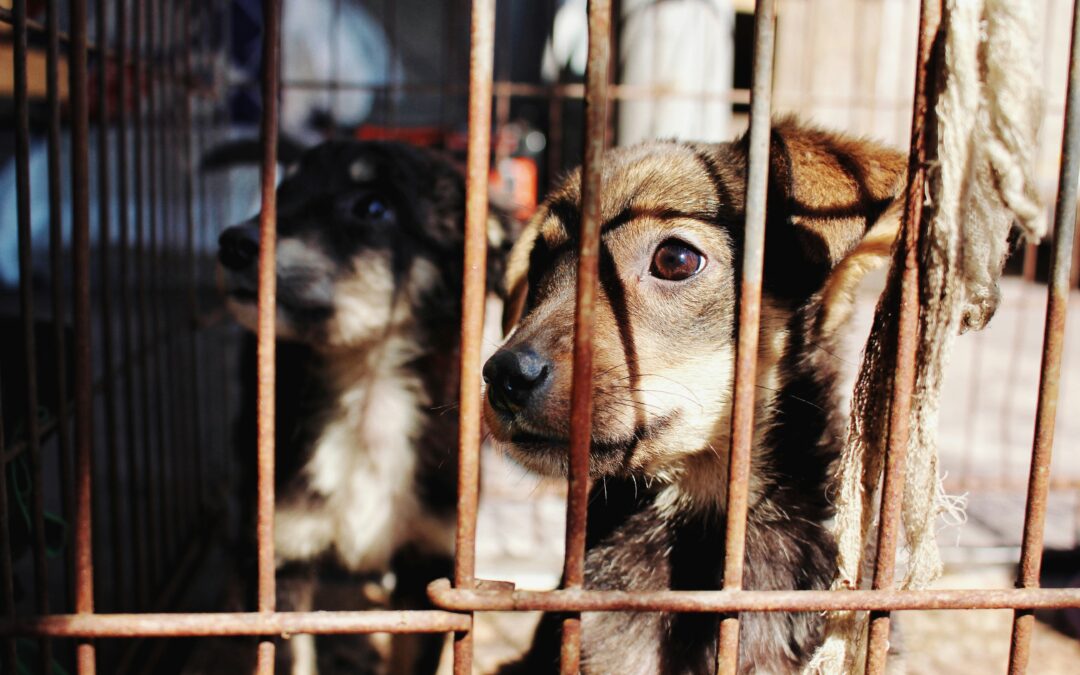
x: 165, y: 356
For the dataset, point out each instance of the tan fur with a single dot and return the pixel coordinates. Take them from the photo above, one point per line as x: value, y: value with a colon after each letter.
x: 838, y: 295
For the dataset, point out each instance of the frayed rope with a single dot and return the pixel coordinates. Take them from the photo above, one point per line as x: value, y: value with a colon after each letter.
x: 983, y: 182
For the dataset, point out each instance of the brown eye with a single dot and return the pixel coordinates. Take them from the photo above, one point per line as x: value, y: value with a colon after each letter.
x: 676, y: 260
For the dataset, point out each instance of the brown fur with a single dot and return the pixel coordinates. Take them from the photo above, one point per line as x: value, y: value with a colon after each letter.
x: 663, y: 359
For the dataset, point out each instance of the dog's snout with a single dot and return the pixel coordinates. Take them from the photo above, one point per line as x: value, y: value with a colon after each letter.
x: 238, y: 246
x: 514, y: 376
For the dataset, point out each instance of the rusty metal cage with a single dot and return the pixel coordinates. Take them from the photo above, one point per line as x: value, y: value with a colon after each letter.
x: 113, y: 418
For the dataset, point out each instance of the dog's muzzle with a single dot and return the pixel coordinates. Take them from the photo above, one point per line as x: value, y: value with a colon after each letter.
x: 238, y: 246
x: 515, y: 378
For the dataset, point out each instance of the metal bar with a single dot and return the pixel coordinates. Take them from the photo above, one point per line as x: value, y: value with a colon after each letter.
x: 84, y: 408
x: 152, y: 391
x: 268, y: 624
x: 196, y: 449
x: 26, y: 308
x: 445, y: 597
x: 142, y: 485
x: 753, y: 255
x: 481, y: 73
x: 105, y: 250
x: 7, y: 583
x: 58, y: 274
x: 581, y: 396
x: 179, y: 416
x: 8, y: 16
x: 139, y: 553
x: 567, y: 90
x: 158, y: 225
x: 1057, y: 303
x: 921, y: 154
x: 267, y: 313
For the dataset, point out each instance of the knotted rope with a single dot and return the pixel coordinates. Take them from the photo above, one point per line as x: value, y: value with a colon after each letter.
x: 987, y: 118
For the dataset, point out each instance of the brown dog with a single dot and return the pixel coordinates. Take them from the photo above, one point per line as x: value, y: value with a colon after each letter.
x: 666, y: 317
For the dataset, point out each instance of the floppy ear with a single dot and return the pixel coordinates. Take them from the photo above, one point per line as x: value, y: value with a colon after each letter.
x: 248, y: 151
x: 826, y: 192
x: 515, y: 283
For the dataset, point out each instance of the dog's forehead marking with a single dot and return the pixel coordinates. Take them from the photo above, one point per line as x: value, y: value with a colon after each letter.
x: 658, y: 178
x: 361, y: 170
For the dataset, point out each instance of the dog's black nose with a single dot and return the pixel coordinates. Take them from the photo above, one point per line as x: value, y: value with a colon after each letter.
x: 238, y: 246
x: 514, y: 376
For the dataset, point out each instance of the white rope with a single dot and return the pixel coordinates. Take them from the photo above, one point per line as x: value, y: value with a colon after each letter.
x: 987, y: 118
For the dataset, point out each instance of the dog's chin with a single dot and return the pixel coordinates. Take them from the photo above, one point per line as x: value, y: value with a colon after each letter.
x: 548, y: 453
x: 245, y: 309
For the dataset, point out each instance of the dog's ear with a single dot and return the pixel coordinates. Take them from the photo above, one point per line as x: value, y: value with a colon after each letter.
x: 247, y: 152
x: 503, y: 229
x: 515, y: 282
x: 826, y: 192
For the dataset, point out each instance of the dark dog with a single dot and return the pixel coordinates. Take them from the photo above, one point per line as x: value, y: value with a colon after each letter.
x: 369, y: 268
x: 664, y: 350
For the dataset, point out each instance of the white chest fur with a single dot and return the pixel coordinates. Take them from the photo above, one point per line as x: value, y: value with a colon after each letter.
x: 360, y: 501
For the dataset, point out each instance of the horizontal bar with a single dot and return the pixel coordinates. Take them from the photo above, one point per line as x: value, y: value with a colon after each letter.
x: 235, y: 623
x: 573, y: 90
x: 579, y: 600
x: 7, y: 16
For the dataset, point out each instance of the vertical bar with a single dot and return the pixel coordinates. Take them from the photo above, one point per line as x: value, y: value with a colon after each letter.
x: 158, y: 228
x: 154, y: 414
x: 581, y: 408
x: 1057, y: 303
x: 187, y: 140
x: 138, y: 541
x: 80, y: 201
x: 105, y: 246
x: 172, y: 367
x: 267, y: 313
x: 922, y: 152
x: 26, y: 301
x: 481, y: 73
x: 742, y: 419
x: 142, y: 485
x: 7, y: 584
x: 57, y: 273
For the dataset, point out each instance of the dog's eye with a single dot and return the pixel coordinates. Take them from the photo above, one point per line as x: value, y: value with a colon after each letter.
x: 372, y: 209
x: 675, y: 260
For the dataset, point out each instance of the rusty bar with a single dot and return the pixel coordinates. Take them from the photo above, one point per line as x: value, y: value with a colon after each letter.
x: 1031, y: 261
x: 182, y: 335
x: 503, y: 30
x: 8, y: 16
x: 742, y: 419
x: 26, y: 308
x: 581, y: 396
x: 57, y: 273
x: 187, y: 139
x: 267, y: 313
x: 158, y: 225
x: 7, y: 577
x: 922, y: 152
x: 481, y: 73
x: 84, y: 408
x: 141, y: 486
x: 137, y: 523
x: 268, y: 624
x: 445, y: 597
x: 1057, y: 303
x: 174, y: 310
x: 104, y: 251
x: 156, y: 497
